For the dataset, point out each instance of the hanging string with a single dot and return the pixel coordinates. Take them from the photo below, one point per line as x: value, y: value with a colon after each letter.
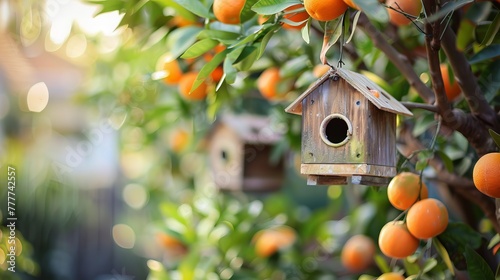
x: 342, y: 34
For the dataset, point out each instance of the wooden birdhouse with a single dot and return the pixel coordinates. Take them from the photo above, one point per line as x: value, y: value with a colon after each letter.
x: 348, y: 130
x: 240, y: 154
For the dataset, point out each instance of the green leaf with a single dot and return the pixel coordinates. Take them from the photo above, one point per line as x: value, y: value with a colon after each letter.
x: 219, y: 35
x: 490, y: 52
x: 179, y: 40
x: 196, y: 7
x: 455, y: 238
x: 411, y: 267
x: 448, y: 163
x: 465, y: 34
x: 305, y: 31
x: 333, y: 31
x: 448, y: 8
x: 246, y: 12
x: 270, y: 7
x: 199, y: 48
x: 354, y: 24
x: 429, y: 265
x: 495, y: 136
x: 382, y: 263
x: 228, y: 65
x: 247, y: 58
x: 207, y: 69
x: 477, y: 266
x: 179, y: 10
x: 265, y: 40
x: 444, y: 255
x: 492, y: 31
x: 494, y: 241
x: 373, y: 9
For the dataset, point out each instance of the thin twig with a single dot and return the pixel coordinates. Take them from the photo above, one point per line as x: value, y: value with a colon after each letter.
x: 413, y: 105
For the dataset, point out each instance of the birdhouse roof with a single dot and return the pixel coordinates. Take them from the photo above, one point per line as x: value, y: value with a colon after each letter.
x: 252, y: 129
x: 383, y: 101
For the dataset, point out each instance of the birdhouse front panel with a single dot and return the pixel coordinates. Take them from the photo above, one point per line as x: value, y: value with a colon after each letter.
x: 226, y: 158
x: 259, y: 172
x: 331, y: 129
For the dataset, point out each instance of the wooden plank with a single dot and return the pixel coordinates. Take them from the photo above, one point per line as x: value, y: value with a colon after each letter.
x: 383, y: 101
x: 314, y: 180
x: 334, y: 96
x: 348, y: 170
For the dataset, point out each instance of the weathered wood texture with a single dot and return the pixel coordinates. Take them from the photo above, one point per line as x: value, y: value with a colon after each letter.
x: 373, y: 138
x: 240, y: 158
x: 339, y: 180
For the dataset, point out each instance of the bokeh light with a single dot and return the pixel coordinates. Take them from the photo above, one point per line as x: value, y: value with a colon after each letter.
x: 124, y: 236
x: 38, y: 97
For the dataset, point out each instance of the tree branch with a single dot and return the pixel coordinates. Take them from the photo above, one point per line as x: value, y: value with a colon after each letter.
x: 413, y: 105
x: 399, y: 60
x: 468, y: 82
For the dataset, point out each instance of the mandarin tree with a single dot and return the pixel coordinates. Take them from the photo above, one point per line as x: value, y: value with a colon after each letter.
x: 400, y: 45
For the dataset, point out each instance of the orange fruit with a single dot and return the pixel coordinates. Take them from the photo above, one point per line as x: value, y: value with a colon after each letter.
x: 411, y: 7
x: 486, y: 174
x: 351, y: 4
x: 268, y: 84
x: 179, y: 140
x: 217, y: 74
x: 186, y: 83
x: 320, y: 70
x: 180, y: 21
x: 404, y: 189
x: 299, y: 16
x: 358, y: 253
x: 391, y: 276
x: 427, y: 218
x: 452, y: 90
x: 228, y: 11
x: 168, y: 241
x: 395, y: 241
x: 325, y: 10
x: 173, y: 72
x: 269, y: 241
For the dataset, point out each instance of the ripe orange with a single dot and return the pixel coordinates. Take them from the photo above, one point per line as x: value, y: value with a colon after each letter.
x: 391, y: 276
x: 358, y: 252
x: 486, y: 174
x: 185, y: 84
x: 179, y: 140
x: 403, y: 190
x: 180, y: 21
x: 295, y: 17
x: 411, y: 7
x: 320, y: 70
x: 427, y: 218
x: 351, y: 4
x: 228, y: 11
x: 268, y: 84
x: 168, y: 241
x: 173, y: 72
x: 217, y: 74
x: 396, y: 241
x: 268, y: 241
x: 325, y: 10
x: 452, y: 90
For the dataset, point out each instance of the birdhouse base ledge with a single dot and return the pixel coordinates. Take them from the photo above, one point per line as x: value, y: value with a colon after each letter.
x: 314, y: 180
x: 348, y: 170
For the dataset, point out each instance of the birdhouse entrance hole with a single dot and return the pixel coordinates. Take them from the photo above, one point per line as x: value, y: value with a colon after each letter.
x: 335, y: 130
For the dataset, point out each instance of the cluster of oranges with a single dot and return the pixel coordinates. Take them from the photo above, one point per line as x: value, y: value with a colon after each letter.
x: 425, y: 217
x: 175, y: 75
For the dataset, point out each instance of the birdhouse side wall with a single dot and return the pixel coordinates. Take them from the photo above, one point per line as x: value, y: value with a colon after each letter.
x: 335, y: 96
x: 259, y: 172
x: 380, y: 137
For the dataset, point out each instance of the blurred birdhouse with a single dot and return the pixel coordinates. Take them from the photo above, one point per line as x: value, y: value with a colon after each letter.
x: 240, y: 149
x: 348, y: 130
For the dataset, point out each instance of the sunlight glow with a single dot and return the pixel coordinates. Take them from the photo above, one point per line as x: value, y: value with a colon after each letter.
x: 124, y: 236
x: 38, y: 97
x: 76, y: 46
